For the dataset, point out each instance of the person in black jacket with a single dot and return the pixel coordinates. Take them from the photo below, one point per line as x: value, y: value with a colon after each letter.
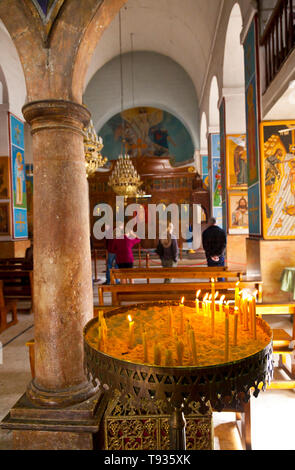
x: 167, y: 250
x: 214, y: 244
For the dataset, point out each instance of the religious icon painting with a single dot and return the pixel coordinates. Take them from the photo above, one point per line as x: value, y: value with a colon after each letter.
x: 236, y: 156
x: 238, y: 218
x: 4, y: 178
x: 4, y: 219
x: 18, y: 178
x: 278, y: 179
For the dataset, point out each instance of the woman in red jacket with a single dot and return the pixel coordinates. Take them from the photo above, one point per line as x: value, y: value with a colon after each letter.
x: 123, y: 249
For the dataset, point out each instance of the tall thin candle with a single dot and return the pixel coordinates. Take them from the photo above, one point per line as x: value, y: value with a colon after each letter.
x: 226, y: 352
x: 131, y: 332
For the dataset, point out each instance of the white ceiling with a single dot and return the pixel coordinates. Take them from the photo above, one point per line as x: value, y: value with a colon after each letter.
x: 180, y: 29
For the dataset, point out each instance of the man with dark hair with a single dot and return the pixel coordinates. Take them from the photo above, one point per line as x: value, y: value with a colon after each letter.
x: 214, y: 244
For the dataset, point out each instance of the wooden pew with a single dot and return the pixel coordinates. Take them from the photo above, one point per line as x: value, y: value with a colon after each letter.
x: 174, y: 273
x: 143, y: 292
x: 6, y: 308
x: 16, y: 283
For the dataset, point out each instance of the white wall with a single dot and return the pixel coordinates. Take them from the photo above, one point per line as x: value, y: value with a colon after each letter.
x: 158, y: 82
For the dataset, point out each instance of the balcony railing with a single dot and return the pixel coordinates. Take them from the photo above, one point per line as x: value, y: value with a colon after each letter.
x: 278, y: 38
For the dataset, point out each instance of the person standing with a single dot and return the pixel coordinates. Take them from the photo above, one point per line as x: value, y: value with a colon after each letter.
x: 122, y: 247
x: 167, y: 250
x: 214, y: 244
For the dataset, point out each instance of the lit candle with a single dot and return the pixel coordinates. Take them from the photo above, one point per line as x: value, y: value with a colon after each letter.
x: 226, y: 309
x: 131, y: 332
x: 181, y: 305
x: 168, y: 358
x: 179, y: 350
x: 237, y: 290
x: 213, y: 288
x: 193, y: 345
x: 157, y: 355
x: 236, y: 315
x: 226, y: 337
x: 145, y: 350
x: 170, y: 322
x: 221, y: 304
x: 204, y: 304
x: 197, y: 302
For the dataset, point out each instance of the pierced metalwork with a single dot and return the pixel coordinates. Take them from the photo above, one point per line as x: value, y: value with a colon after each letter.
x: 219, y: 386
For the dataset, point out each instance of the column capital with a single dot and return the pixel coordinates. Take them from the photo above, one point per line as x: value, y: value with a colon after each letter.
x: 56, y: 114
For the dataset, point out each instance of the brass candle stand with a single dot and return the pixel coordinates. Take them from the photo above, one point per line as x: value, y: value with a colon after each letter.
x: 219, y: 386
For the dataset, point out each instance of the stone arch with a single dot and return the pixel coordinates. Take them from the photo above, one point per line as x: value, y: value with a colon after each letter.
x: 213, y: 104
x: 233, y: 62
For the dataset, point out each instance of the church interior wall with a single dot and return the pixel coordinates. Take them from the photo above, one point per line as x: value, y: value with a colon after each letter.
x: 141, y: 88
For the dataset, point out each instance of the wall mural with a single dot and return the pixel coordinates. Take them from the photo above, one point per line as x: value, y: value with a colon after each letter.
x: 18, y: 178
x: 278, y: 179
x: 148, y: 132
x: 252, y: 120
x: 237, y: 161
x: 214, y: 146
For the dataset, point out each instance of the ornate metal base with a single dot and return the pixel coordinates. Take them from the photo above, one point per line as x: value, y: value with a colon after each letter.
x: 126, y: 428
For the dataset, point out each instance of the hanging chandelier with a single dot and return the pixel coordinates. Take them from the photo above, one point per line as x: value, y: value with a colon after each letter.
x: 92, y: 150
x: 125, y: 181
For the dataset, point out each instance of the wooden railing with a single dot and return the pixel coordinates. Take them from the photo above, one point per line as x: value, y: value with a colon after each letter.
x: 278, y: 38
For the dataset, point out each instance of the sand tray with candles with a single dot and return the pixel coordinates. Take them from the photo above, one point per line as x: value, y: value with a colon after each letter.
x: 177, y: 336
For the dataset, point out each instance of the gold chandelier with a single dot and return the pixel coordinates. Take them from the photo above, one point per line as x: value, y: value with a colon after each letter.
x: 92, y: 149
x: 125, y: 181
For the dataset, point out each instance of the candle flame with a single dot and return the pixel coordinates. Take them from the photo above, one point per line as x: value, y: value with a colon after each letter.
x: 212, y: 279
x: 236, y: 309
x: 216, y: 295
x: 182, y: 300
x: 222, y: 299
x: 210, y: 296
x: 198, y: 294
x: 205, y: 297
x: 129, y: 318
x: 238, y: 283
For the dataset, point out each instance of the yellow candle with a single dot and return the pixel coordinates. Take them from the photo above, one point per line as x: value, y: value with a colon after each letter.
x: 145, y: 350
x: 100, y: 339
x: 170, y: 322
x: 213, y: 288
x: 236, y: 326
x: 131, y: 332
x: 157, y: 355
x: 254, y: 317
x: 168, y: 358
x: 226, y: 309
x: 179, y: 350
x: 181, y: 305
x: 226, y: 337
x: 221, y: 304
x: 193, y: 345
x: 197, y: 302
x: 237, y: 290
x: 204, y: 304
x: 246, y: 324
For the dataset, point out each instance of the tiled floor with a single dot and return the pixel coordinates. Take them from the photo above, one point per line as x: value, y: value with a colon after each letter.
x: 273, y: 412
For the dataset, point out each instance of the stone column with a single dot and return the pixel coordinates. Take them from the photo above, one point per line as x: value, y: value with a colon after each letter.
x: 63, y: 298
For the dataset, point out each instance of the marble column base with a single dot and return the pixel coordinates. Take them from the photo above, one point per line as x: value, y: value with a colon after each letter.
x: 71, y: 428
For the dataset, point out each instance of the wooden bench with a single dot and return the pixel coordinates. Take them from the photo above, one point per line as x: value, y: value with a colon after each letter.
x: 281, y: 346
x: 17, y: 283
x: 6, y: 308
x: 142, y: 292
x: 179, y: 272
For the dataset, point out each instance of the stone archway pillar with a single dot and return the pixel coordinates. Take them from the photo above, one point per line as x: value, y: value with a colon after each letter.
x: 63, y: 299
x: 59, y: 409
